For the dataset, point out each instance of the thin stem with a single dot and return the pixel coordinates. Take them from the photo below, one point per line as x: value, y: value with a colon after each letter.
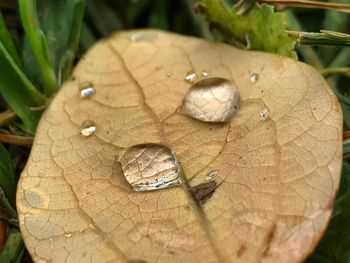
x: 6, y: 117
x: 15, y: 139
x: 309, y: 54
x: 329, y: 72
x: 310, y: 4
x: 324, y: 38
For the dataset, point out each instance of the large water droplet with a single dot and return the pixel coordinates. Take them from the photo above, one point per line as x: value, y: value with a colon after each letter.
x: 191, y: 76
x: 254, y: 77
x: 87, y: 89
x: 150, y: 166
x: 88, y: 128
x: 211, y: 100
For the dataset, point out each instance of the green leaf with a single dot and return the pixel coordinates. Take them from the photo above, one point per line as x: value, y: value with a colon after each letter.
x: 13, y: 249
x: 7, y: 41
x: 38, y: 44
x: 60, y: 23
x: 260, y: 29
x: 18, y: 91
x: 7, y: 176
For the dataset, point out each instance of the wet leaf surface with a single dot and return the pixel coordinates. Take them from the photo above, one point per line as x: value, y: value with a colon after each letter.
x: 276, y: 174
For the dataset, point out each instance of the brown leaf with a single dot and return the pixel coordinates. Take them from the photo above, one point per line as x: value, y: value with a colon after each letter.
x: 277, y: 163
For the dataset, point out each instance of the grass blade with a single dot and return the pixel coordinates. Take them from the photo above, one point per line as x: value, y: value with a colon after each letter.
x: 7, y: 41
x: 13, y: 249
x: 7, y: 176
x: 18, y: 91
x: 38, y: 44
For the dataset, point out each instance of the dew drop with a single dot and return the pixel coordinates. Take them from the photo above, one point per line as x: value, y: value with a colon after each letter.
x: 212, y: 174
x: 168, y: 74
x: 88, y: 128
x: 205, y: 73
x: 68, y: 235
x: 87, y: 90
x: 211, y: 100
x: 150, y: 166
x: 254, y: 77
x: 264, y: 114
x: 191, y: 76
x: 135, y: 37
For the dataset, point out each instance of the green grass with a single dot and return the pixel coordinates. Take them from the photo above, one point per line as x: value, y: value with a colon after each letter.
x: 40, y: 42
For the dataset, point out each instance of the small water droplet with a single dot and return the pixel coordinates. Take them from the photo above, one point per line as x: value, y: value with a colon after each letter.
x: 211, y: 100
x: 168, y: 74
x: 254, y: 77
x: 68, y: 235
x: 88, y: 128
x: 212, y: 174
x: 264, y: 114
x: 205, y: 73
x: 41, y: 173
x: 191, y: 76
x: 87, y: 90
x: 154, y: 173
x: 135, y: 37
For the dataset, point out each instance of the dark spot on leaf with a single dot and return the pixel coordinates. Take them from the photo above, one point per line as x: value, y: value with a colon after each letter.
x: 202, y: 192
x: 241, y: 250
x: 137, y: 261
x: 269, y: 238
x: 171, y: 252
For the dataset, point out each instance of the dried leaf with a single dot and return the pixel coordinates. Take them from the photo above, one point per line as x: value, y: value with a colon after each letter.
x: 276, y: 176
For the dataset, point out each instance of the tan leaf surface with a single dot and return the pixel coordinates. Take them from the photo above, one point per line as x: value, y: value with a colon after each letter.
x: 276, y: 165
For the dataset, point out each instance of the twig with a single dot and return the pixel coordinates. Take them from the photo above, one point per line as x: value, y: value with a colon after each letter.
x: 323, y: 38
x: 15, y: 139
x: 346, y: 135
x: 6, y: 117
x: 329, y: 72
x: 310, y: 4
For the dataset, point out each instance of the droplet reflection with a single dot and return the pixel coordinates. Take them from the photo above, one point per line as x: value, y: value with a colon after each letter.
x: 87, y: 90
x: 191, y: 76
x: 150, y: 166
x: 211, y: 100
x: 254, y: 77
x: 88, y: 128
x: 264, y: 114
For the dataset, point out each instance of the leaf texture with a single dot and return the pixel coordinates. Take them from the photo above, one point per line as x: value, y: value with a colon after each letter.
x: 275, y: 177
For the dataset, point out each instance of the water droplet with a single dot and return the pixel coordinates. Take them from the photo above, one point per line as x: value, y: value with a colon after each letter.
x: 41, y: 173
x: 254, y: 77
x: 211, y: 100
x: 150, y: 166
x: 264, y: 114
x: 168, y: 74
x: 205, y: 73
x: 212, y: 174
x: 87, y: 90
x: 191, y: 76
x: 135, y: 37
x: 68, y: 235
x: 88, y: 128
